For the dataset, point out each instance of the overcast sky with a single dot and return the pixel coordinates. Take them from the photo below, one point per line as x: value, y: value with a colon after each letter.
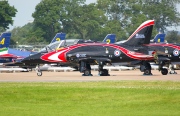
x: 27, y: 7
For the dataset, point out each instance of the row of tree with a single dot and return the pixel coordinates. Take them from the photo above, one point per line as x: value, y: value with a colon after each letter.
x: 90, y: 21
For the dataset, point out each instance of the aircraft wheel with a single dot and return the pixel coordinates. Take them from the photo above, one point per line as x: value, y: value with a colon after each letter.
x: 104, y: 72
x: 147, y: 72
x: 164, y: 71
x: 87, y: 73
x: 39, y: 73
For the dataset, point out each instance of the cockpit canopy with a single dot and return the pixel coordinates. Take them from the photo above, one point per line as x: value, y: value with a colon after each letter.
x: 64, y: 43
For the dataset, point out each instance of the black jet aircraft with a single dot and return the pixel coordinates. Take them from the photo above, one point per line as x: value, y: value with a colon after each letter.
x: 34, y: 60
x: 136, y: 50
x: 131, y: 51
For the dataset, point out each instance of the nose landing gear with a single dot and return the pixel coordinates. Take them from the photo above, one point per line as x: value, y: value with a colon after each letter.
x: 38, y: 71
x: 85, y: 68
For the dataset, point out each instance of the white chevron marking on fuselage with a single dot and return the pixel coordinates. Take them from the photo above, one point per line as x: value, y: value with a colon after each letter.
x: 55, y: 56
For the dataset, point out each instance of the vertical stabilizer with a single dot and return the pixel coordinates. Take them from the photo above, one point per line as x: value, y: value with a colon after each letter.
x: 110, y: 38
x: 159, y: 38
x: 142, y: 35
x: 5, y: 40
x: 59, y: 37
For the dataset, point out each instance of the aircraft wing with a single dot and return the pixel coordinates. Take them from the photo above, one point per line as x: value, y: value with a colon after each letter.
x: 8, y: 56
x: 96, y: 60
x: 162, y: 58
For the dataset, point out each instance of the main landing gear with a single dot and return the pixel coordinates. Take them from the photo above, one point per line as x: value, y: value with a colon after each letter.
x: 85, y: 68
x: 102, y: 72
x: 38, y: 71
x: 146, y: 68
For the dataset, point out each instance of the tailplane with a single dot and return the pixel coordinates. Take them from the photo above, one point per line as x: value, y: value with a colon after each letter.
x: 5, y: 39
x: 142, y: 35
x: 110, y: 38
x: 59, y: 37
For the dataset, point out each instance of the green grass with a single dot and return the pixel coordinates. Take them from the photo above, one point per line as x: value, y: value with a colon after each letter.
x: 90, y: 98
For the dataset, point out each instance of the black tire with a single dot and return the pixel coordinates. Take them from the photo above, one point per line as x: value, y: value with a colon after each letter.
x: 147, y: 72
x: 164, y: 71
x: 39, y: 73
x: 104, y: 72
x: 87, y: 72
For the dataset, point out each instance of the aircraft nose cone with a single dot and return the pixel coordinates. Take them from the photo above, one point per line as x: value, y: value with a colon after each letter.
x: 45, y: 57
x: 33, y: 59
x: 55, y: 56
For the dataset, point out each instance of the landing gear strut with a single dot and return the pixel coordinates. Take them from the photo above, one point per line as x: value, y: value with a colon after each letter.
x: 102, y: 72
x: 146, y: 68
x: 85, y: 68
x: 38, y: 71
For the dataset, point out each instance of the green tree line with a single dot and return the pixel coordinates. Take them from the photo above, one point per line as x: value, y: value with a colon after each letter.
x: 91, y: 21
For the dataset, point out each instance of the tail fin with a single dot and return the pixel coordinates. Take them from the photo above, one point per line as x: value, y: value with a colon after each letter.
x: 5, y: 39
x: 159, y: 37
x: 110, y: 38
x: 59, y: 37
x: 142, y: 35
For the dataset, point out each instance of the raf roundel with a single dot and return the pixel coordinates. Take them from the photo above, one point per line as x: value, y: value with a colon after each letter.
x: 117, y: 53
x: 176, y: 52
x: 77, y: 55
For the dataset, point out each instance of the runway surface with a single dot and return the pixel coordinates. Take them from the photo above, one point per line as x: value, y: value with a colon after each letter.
x: 77, y: 77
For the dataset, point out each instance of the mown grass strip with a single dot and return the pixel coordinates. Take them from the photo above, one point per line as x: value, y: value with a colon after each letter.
x: 90, y: 98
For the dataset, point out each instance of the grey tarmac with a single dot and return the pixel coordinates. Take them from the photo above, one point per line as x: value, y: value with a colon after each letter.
x: 75, y: 76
